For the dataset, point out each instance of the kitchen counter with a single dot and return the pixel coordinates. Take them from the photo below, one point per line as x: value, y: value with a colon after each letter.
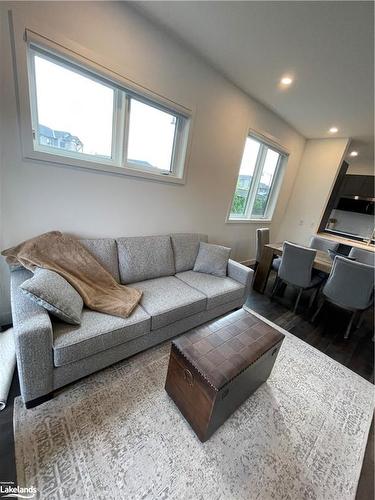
x: 347, y: 241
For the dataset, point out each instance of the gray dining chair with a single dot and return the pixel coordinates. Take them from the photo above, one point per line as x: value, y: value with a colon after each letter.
x: 324, y: 245
x: 350, y: 286
x: 263, y: 238
x: 318, y: 243
x: 363, y: 256
x: 296, y: 270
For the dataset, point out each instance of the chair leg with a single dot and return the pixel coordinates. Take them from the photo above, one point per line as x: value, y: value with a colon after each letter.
x: 361, y: 319
x: 275, y: 286
x: 312, y: 298
x: 281, y: 289
x: 347, y: 332
x: 297, y: 301
x: 318, y: 311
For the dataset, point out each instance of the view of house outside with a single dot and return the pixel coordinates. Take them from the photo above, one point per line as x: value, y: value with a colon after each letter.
x: 245, y: 179
x: 75, y: 113
x: 240, y: 197
x: 73, y: 106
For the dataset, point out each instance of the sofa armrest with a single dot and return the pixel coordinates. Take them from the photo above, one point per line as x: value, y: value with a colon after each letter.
x: 240, y: 273
x: 33, y: 341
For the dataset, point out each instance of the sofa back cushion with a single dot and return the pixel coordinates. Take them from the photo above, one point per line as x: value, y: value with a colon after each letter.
x: 105, y: 252
x: 185, y: 249
x: 144, y: 257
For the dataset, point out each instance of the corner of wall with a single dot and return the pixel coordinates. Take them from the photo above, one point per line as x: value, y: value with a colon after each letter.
x: 317, y: 172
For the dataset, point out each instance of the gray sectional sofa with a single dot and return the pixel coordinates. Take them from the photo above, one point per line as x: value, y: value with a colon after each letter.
x: 51, y: 354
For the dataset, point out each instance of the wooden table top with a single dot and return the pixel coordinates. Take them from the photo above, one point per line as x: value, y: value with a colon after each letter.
x: 322, y: 262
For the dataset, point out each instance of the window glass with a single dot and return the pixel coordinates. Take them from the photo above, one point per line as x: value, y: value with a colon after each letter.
x: 264, y: 187
x: 151, y: 136
x: 74, y: 112
x: 257, y: 184
x: 245, y: 177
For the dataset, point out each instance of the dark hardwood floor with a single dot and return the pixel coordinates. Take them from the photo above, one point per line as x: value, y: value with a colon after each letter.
x: 357, y: 353
x: 326, y: 334
x: 7, y: 457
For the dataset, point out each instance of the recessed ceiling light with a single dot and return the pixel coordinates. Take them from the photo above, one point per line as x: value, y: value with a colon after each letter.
x: 354, y: 153
x: 286, y: 80
x: 333, y: 130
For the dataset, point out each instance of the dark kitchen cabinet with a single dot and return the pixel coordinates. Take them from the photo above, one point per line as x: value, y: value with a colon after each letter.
x: 357, y: 185
x: 368, y: 187
x: 360, y: 206
x: 351, y: 193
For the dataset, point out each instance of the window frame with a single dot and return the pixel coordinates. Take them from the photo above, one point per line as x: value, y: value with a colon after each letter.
x: 266, y: 143
x: 116, y: 119
x: 124, y: 90
x: 177, y: 151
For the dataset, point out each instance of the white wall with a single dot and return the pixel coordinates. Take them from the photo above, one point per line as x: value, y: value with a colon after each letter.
x: 4, y: 273
x: 361, y: 168
x: 319, y: 167
x: 42, y: 197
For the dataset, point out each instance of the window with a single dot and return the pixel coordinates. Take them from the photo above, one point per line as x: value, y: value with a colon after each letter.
x: 258, y: 181
x: 151, y: 136
x: 79, y: 117
x: 73, y: 112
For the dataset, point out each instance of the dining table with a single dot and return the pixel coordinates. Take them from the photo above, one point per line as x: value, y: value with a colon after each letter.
x: 322, y: 262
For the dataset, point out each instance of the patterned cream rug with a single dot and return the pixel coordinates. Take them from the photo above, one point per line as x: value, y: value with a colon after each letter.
x: 117, y: 435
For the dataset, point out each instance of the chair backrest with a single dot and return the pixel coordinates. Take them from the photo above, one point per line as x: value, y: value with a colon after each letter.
x: 318, y: 243
x: 296, y: 264
x: 350, y: 284
x: 363, y: 256
x: 263, y: 238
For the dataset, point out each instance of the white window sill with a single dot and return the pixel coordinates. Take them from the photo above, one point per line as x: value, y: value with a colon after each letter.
x: 248, y: 221
x: 66, y: 161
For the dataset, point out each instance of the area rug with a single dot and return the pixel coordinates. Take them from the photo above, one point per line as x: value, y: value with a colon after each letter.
x: 117, y: 435
x: 7, y: 364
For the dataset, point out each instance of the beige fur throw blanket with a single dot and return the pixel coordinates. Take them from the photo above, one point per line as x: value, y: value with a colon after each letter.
x: 66, y: 256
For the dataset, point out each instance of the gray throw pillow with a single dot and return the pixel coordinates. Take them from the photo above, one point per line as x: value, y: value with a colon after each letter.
x: 212, y: 259
x: 54, y: 293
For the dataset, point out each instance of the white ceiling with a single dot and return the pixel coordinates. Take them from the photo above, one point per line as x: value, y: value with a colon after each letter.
x: 327, y: 46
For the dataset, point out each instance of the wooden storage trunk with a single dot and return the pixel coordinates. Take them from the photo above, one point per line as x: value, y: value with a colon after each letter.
x: 214, y: 368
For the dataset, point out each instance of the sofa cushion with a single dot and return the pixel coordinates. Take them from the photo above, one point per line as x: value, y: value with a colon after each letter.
x: 212, y: 259
x: 144, y: 257
x: 217, y: 290
x: 97, y: 332
x: 169, y: 299
x: 55, y: 294
x: 185, y: 249
x: 105, y: 252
